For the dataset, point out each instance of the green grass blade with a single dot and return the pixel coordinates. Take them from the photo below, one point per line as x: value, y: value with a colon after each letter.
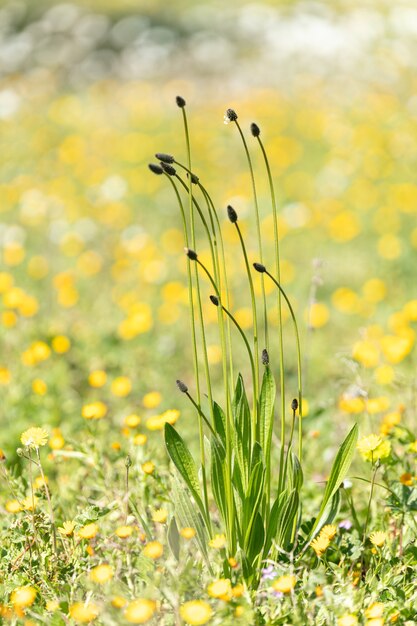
x: 339, y: 470
x: 184, y: 462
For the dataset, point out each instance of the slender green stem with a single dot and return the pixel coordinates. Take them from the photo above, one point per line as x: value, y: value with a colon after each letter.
x: 48, y: 497
x: 299, y: 372
x: 194, y: 343
x: 368, y: 510
x: 278, y: 272
x: 213, y: 212
x: 210, y: 427
x: 255, y: 337
x: 258, y: 226
x: 235, y: 322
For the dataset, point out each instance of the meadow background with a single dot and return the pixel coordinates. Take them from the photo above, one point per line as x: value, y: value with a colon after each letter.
x: 93, y: 297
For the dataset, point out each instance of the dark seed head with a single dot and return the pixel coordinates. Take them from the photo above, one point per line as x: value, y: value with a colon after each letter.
x: 180, y: 102
x: 166, y: 158
x: 182, y: 386
x: 168, y: 169
x: 231, y: 115
x: 255, y: 130
x: 191, y: 254
x: 259, y: 267
x: 214, y: 300
x: 294, y: 405
x: 231, y: 213
x: 265, y: 357
x: 156, y: 169
x: 128, y: 461
x: 194, y: 179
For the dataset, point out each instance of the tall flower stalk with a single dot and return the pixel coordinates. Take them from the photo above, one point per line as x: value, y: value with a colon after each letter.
x: 257, y: 506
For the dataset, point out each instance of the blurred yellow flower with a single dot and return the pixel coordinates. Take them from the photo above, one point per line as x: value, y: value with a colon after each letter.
x: 132, y: 421
x: 284, y: 584
x: 94, y: 410
x: 60, y: 344
x: 34, y: 437
x: 22, y: 597
x: 374, y: 447
x: 160, y: 516
x: 140, y: 611
x: 88, y: 531
x: 121, y: 386
x: 124, y: 531
x: 375, y: 610
x: 378, y: 538
x: 196, y: 612
x: 101, y: 574
x: 218, y: 542
x: 67, y: 528
x: 348, y: 620
x: 407, y: 479
x: 153, y: 550
x: 148, y: 467
x: 39, y: 387
x: 221, y: 589
x: 318, y: 315
x: 83, y: 613
x: 97, y: 378
x: 5, y: 376
x: 320, y: 544
x: 187, y: 532
x: 152, y: 399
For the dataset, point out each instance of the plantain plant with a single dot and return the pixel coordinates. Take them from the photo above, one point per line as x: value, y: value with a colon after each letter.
x: 238, y: 487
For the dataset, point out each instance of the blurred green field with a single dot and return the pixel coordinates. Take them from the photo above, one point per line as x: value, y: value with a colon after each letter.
x: 93, y: 302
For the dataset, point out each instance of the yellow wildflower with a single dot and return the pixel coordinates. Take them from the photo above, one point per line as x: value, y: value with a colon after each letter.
x: 94, y: 410
x: 378, y: 538
x: 406, y: 479
x: 221, y: 589
x: 140, y: 611
x: 320, y: 544
x: 121, y: 386
x: 67, y: 528
x: 148, y: 467
x: 152, y: 399
x: 284, y: 584
x: 34, y: 437
x: 153, y: 550
x: 348, y: 620
x: 160, y: 516
x: 196, y: 612
x: 97, y: 378
x: 187, y: 532
x: 218, y: 542
x: 124, y: 531
x: 84, y: 613
x: 101, y: 574
x: 88, y: 531
x: 374, y: 447
x: 23, y: 596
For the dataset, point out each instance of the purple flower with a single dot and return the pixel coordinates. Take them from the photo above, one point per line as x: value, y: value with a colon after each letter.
x: 346, y: 524
x: 268, y: 573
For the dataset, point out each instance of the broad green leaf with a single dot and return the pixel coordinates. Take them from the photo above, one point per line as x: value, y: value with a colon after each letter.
x: 219, y: 422
x: 287, y: 520
x: 271, y: 530
x: 184, y: 462
x: 253, y: 500
x: 173, y: 538
x: 295, y: 472
x: 266, y: 411
x: 218, y: 482
x: 241, y: 413
x: 255, y: 544
x: 339, y: 470
x: 189, y: 516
